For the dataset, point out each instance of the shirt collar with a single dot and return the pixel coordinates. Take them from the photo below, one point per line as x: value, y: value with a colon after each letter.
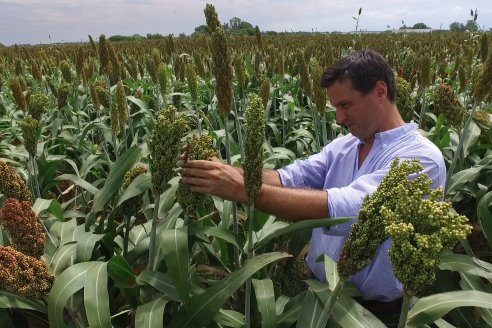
x: 389, y: 136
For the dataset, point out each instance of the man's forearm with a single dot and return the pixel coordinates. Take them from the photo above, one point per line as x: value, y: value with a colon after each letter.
x: 269, y: 177
x: 293, y: 204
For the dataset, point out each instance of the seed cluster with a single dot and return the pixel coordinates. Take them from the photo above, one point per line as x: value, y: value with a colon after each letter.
x: 164, y: 147
x: 11, y: 184
x: 404, y: 101
x: 23, y: 227
x: 446, y: 102
x: 253, y: 148
x: 31, y: 131
x: 199, y: 148
x: 24, y: 275
x: 132, y: 205
x: 368, y: 233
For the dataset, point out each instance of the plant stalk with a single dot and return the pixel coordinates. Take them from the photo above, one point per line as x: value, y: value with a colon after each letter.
x: 404, y: 310
x: 153, y: 232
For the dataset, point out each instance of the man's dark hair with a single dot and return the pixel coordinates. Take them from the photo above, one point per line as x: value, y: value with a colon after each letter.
x: 364, y: 69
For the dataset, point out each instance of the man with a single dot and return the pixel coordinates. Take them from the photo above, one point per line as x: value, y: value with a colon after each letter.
x: 333, y: 183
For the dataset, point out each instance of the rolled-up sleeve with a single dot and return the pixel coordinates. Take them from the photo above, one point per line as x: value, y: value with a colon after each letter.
x: 308, y: 173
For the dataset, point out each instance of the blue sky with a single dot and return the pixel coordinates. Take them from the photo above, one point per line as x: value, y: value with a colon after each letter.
x: 45, y: 21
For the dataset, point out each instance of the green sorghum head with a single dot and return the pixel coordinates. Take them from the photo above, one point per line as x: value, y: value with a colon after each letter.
x: 96, y: 103
x: 38, y: 105
x: 192, y: 80
x: 66, y: 71
x: 222, y: 70
x: 264, y: 91
x: 368, y: 233
x: 115, y: 74
x: 62, y: 94
x: 404, y: 100
x: 152, y: 69
x: 16, y: 88
x: 199, y: 148
x: 253, y: 147
x: 104, y: 59
x: 122, y: 106
x: 103, y: 94
x: 164, y: 146
x: 31, y: 132
x: 24, y: 275
x: 319, y: 93
x: 12, y: 185
x: 483, y: 85
x: 162, y: 74
x: 304, y: 75
x: 131, y: 206
x: 446, y: 102
x: 425, y: 71
x: 211, y: 18
x: 484, y: 47
x: 259, y: 43
x: 25, y: 232
x: 240, y: 72
x: 35, y: 71
x: 422, y: 228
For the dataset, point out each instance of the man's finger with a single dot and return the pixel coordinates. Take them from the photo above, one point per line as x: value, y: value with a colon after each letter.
x: 201, y: 164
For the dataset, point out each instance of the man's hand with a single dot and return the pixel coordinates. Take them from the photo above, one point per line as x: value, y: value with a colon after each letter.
x: 213, y: 177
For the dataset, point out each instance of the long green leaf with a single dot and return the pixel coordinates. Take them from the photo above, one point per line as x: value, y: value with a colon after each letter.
x: 174, y: 246
x: 138, y: 186
x: 160, y: 281
x: 428, y: 309
x: 66, y: 284
x: 151, y: 314
x: 85, y: 245
x: 229, y: 318
x: 346, y: 311
x: 96, y: 298
x: 203, y: 307
x: 79, y: 182
x: 265, y: 298
x: 9, y: 300
x: 301, y: 225
x: 217, y: 232
x: 310, y: 311
x: 113, y: 182
x: 121, y: 272
x: 468, y: 264
x: 471, y: 137
x: 484, y: 212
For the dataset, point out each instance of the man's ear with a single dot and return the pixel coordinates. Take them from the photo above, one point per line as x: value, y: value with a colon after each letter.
x: 381, y: 89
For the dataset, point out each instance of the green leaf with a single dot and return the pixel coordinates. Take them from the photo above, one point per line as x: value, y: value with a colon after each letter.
x: 113, y: 182
x: 160, y: 281
x: 470, y: 138
x: 96, y: 298
x: 63, y: 258
x: 85, y: 245
x: 203, y: 307
x: 301, y: 225
x: 79, y: 182
x: 310, y: 311
x: 9, y: 300
x: 265, y: 298
x: 66, y: 284
x: 121, y: 272
x: 174, y: 246
x: 229, y: 318
x: 484, y: 213
x: 138, y: 186
x: 63, y: 231
x: 346, y: 311
x: 428, y: 309
x: 217, y: 232
x: 151, y: 314
x: 466, y: 263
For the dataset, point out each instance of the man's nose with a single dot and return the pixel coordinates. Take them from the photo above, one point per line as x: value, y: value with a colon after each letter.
x: 340, y: 117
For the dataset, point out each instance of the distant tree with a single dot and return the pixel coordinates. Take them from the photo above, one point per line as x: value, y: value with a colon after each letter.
x: 471, y: 25
x: 156, y: 36
x: 457, y: 27
x: 420, y: 26
x: 200, y: 30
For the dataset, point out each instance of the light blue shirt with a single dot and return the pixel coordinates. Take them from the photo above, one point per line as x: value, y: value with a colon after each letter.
x: 336, y: 169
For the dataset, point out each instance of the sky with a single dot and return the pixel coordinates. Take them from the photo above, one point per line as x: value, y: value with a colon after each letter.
x: 51, y: 21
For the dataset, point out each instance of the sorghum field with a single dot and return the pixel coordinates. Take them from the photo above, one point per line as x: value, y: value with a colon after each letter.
x: 96, y: 230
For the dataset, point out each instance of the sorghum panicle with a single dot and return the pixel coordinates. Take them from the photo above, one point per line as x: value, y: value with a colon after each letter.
x: 164, y: 146
x: 24, y: 275
x: 199, y: 148
x: 253, y: 147
x: 12, y: 185
x: 31, y: 132
x: 25, y: 232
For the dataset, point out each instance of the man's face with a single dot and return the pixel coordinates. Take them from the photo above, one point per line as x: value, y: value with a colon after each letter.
x: 358, y: 112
